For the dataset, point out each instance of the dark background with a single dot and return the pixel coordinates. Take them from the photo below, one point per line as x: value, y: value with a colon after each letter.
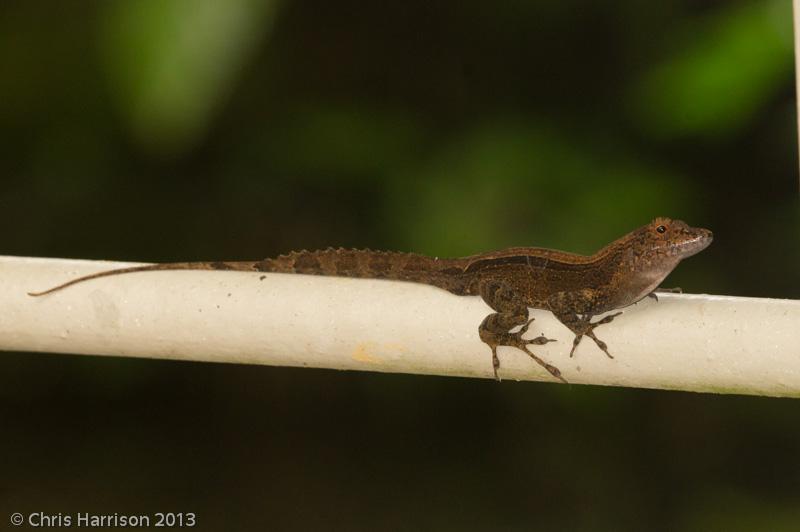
x: 166, y: 130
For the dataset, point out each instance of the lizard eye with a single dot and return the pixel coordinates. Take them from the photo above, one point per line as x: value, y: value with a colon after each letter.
x: 661, y: 229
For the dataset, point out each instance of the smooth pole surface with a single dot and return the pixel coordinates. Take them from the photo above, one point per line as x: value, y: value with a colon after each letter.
x: 685, y: 342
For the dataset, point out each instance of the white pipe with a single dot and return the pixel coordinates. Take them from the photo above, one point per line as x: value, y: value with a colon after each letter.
x: 684, y: 342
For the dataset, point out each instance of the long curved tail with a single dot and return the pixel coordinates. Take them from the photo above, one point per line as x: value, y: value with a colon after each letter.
x: 443, y: 273
x: 146, y: 268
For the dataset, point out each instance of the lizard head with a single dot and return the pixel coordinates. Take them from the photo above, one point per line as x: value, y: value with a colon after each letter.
x: 653, y: 250
x: 650, y: 253
x: 673, y: 240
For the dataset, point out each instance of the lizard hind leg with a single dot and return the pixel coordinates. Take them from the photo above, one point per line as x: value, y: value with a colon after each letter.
x: 495, y: 330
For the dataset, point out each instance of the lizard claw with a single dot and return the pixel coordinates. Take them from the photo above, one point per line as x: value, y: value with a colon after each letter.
x: 495, y: 363
x: 575, y: 342
x: 676, y: 290
x: 523, y: 345
x: 522, y: 330
x: 518, y: 341
x: 554, y: 371
x: 601, y: 344
x: 607, y: 319
x: 539, y: 340
x: 587, y: 329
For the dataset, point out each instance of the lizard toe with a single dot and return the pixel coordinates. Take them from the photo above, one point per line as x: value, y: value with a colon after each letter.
x: 539, y: 340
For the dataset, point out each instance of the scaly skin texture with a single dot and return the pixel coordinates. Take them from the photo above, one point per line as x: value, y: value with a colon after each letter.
x: 575, y: 288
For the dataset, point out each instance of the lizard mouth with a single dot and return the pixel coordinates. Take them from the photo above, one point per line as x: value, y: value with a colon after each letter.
x: 697, y: 242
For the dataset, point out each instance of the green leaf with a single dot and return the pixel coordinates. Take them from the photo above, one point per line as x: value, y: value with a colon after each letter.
x: 727, y: 68
x: 172, y: 62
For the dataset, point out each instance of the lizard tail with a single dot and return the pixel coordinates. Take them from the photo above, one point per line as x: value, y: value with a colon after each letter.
x: 443, y: 273
x: 150, y: 268
x: 366, y: 263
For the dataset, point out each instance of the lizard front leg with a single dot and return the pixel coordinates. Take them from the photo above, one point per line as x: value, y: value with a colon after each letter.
x: 495, y: 330
x: 582, y: 326
x: 574, y: 310
x: 654, y: 293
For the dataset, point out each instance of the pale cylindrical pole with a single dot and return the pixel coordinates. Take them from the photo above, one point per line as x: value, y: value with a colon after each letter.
x: 683, y: 342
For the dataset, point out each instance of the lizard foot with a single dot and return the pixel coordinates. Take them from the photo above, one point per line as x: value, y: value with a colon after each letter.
x: 516, y: 337
x: 511, y: 311
x: 495, y: 340
x: 654, y: 293
x: 513, y: 340
x: 588, y: 330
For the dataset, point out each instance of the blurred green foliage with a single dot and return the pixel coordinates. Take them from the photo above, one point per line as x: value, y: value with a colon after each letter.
x: 171, y: 62
x: 513, y: 177
x: 729, y: 64
x: 180, y: 130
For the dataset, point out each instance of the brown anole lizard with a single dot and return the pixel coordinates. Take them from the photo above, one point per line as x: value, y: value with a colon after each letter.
x: 573, y: 287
